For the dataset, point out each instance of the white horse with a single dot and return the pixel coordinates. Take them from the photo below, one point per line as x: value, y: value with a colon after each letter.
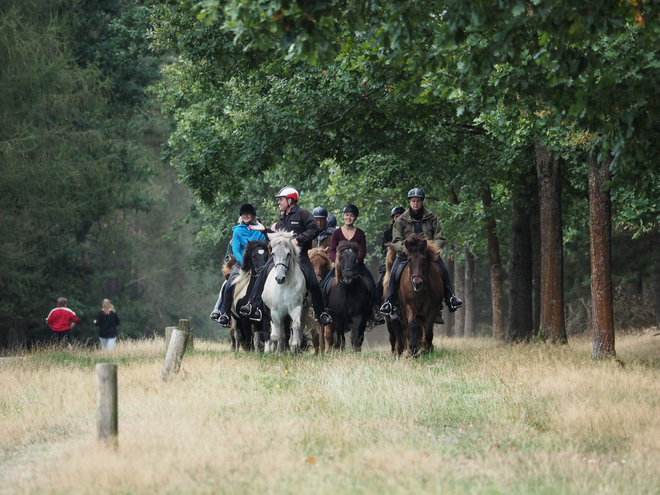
x: 284, y: 292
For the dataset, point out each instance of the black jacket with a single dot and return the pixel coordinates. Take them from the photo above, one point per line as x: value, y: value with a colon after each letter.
x: 302, y: 223
x: 107, y: 324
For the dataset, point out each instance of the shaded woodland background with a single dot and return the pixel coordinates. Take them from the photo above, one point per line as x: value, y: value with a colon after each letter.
x: 133, y: 130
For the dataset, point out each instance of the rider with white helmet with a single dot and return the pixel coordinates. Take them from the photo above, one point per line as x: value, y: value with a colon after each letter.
x: 417, y: 220
x: 302, y: 223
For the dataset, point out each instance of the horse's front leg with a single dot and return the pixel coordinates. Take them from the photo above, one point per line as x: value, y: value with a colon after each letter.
x: 357, y: 335
x: 276, y: 333
x: 428, y: 332
x: 413, y: 332
x: 296, y: 330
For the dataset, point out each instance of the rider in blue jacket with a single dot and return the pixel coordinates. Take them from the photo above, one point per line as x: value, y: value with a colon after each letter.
x: 242, y: 234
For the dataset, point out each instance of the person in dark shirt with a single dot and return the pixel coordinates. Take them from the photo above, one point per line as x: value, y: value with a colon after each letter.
x: 107, y: 321
x: 325, y: 230
x: 301, y: 222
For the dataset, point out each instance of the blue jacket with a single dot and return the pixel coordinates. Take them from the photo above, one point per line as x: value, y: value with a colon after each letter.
x: 243, y: 234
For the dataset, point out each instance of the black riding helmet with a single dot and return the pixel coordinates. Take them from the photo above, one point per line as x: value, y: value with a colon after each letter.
x: 416, y: 192
x: 247, y: 208
x: 332, y: 221
x: 352, y: 209
x: 397, y: 210
x: 320, y: 212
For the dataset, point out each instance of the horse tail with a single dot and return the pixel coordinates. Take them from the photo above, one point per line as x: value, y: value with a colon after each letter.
x: 228, y: 266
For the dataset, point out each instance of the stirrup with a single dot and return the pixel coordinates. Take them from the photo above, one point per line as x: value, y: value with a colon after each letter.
x: 454, y: 303
x: 245, y: 310
x: 224, y: 320
x: 256, y: 315
x: 324, y: 319
x: 386, y: 309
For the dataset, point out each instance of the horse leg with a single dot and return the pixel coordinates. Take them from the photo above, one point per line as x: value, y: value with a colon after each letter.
x: 328, y: 337
x: 413, y: 332
x: 296, y: 330
x: 357, y: 335
x: 276, y: 332
x: 428, y: 333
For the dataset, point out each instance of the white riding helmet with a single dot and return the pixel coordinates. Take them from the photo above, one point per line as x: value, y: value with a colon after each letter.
x: 288, y: 192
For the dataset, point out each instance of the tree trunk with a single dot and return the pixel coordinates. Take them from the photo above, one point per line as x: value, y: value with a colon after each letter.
x: 553, y: 325
x: 469, y: 306
x: 495, y: 267
x: 600, y: 215
x: 535, y: 231
x: 520, y: 267
x: 459, y: 282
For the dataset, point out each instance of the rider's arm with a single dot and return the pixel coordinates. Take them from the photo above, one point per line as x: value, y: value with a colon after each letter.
x: 438, y: 236
x: 361, y: 241
x: 334, y: 242
x: 397, y: 236
x: 311, y: 228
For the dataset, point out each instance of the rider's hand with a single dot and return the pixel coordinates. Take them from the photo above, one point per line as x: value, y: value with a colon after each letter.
x: 260, y: 227
x: 295, y: 241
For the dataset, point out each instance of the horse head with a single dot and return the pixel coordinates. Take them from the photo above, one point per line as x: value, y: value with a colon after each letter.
x: 418, y: 260
x: 320, y: 261
x: 347, y: 260
x: 255, y: 257
x: 285, y: 253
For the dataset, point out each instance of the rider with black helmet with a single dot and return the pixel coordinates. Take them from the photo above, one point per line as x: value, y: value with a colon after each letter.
x: 417, y: 219
x: 301, y: 222
x: 325, y: 230
x: 241, y: 235
x: 349, y: 232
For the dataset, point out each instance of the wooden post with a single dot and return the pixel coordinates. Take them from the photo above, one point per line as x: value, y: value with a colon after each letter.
x: 184, y: 326
x: 106, y: 402
x: 175, y: 353
x: 168, y: 336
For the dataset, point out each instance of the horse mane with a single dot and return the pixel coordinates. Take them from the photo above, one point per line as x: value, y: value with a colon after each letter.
x: 282, y: 237
x: 414, y: 242
x: 322, y: 255
x: 343, y: 246
x: 228, y: 266
x: 247, y: 256
x: 243, y: 278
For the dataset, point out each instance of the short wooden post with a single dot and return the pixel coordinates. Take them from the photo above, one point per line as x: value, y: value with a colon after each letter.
x: 106, y: 402
x: 175, y: 353
x: 184, y: 326
x: 168, y: 336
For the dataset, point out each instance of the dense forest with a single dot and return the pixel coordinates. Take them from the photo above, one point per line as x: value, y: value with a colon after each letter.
x: 133, y: 130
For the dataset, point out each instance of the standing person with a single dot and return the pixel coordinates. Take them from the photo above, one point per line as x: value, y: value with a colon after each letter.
x: 242, y: 234
x: 325, y: 230
x: 107, y: 321
x: 349, y: 232
x: 301, y: 222
x: 61, y: 320
x: 417, y: 220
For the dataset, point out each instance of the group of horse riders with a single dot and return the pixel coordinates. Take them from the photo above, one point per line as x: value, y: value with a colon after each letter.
x: 317, y: 230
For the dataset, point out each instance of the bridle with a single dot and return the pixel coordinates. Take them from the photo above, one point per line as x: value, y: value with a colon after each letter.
x: 285, y: 265
x: 412, y: 276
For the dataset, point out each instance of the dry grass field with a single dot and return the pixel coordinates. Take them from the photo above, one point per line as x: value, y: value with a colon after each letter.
x: 476, y: 416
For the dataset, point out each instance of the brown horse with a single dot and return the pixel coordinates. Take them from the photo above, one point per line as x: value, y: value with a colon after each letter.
x: 421, y: 290
x: 321, y: 339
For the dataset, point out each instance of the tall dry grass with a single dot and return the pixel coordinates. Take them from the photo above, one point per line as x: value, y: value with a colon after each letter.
x: 474, y: 417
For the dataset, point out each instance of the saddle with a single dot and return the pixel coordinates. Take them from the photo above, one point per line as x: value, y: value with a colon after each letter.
x: 396, y: 276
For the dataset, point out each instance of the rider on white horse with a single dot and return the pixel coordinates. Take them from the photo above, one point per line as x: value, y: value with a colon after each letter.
x: 417, y: 220
x: 302, y: 223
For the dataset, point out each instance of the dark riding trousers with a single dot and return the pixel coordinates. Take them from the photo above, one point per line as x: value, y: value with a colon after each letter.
x: 226, y: 298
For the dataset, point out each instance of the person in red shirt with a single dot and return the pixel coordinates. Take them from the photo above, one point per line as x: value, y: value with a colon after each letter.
x: 61, y: 320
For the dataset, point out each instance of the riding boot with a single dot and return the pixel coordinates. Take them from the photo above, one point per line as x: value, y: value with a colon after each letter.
x: 216, y: 309
x: 391, y: 298
x: 253, y: 307
x: 452, y: 302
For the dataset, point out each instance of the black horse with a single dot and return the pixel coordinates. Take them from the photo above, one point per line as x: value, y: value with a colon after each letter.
x: 249, y: 333
x: 349, y: 299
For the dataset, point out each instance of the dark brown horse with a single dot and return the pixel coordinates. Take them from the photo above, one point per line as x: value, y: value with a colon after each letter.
x: 421, y: 291
x: 349, y: 300
x: 321, y: 337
